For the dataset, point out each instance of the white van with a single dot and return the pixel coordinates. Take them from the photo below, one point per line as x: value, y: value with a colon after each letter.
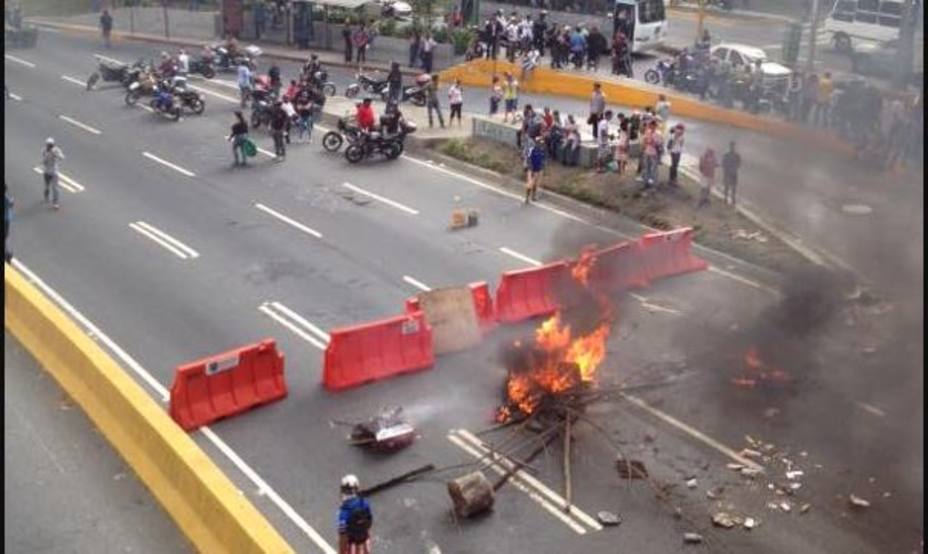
x: 644, y: 22
x: 866, y: 20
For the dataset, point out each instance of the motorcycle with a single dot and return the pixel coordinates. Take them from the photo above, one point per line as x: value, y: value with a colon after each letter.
x: 373, y: 143
x: 143, y: 86
x: 367, y: 84
x: 224, y: 62
x: 187, y: 98
x: 122, y: 73
x: 164, y: 102
x: 345, y: 129
x: 203, y: 66
x: 261, y: 103
x: 320, y: 80
x: 661, y: 74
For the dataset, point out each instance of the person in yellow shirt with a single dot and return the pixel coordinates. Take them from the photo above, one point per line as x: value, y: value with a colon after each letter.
x: 510, y: 97
x: 823, y: 101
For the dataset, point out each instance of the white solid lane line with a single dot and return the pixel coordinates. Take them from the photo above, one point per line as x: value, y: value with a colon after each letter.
x: 77, y: 123
x: 216, y: 94
x: 137, y: 368
x: 108, y: 59
x: 75, y: 81
x: 516, y: 255
x: 289, y: 221
x: 64, y: 181
x: 386, y: 201
x: 178, y: 244
x: 297, y: 324
x: 517, y: 483
x: 696, y: 434
x: 18, y: 60
x: 653, y: 307
x: 267, y: 153
x: 871, y: 409
x: 532, y: 481
x: 416, y: 283
x: 157, y: 238
x: 168, y: 164
x: 16, y: 97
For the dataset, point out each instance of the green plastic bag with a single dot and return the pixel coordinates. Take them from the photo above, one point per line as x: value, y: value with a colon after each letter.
x: 250, y: 149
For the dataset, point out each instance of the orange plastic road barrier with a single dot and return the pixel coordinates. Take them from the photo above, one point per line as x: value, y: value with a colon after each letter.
x: 377, y: 350
x: 527, y: 293
x: 619, y: 267
x: 483, y: 304
x: 227, y: 384
x: 412, y: 305
x: 670, y: 253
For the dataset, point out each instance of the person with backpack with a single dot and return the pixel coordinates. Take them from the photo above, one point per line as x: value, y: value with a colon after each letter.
x: 354, y: 519
x: 238, y: 137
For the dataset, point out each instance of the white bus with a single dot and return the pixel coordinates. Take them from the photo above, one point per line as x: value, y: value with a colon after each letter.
x: 867, y: 20
x: 644, y: 22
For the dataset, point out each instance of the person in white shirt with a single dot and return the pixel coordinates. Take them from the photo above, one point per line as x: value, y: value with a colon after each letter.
x: 675, y: 145
x: 512, y: 38
x: 456, y: 101
x: 183, y: 62
x: 602, y: 139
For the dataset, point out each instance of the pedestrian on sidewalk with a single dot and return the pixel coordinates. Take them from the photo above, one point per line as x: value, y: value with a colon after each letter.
x: 238, y: 136
x: 809, y: 96
x: 823, y: 100
x: 244, y: 80
x: 602, y: 140
x: 731, y: 162
x: 596, y: 47
x: 347, y: 35
x: 432, y: 101
x: 496, y: 95
x: 456, y: 102
x: 260, y: 11
x: 361, y: 39
x: 651, y: 145
x: 662, y: 109
x: 675, y: 147
x: 572, y: 142
x: 597, y: 107
x: 428, y: 51
x: 355, y: 519
x: 707, y: 167
x: 510, y: 96
x: 536, y: 165
x: 106, y: 26
x: 394, y: 83
x: 51, y: 155
x: 7, y: 219
x: 278, y: 127
x: 415, y: 43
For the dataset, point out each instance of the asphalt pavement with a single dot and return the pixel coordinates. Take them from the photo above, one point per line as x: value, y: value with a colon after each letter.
x: 174, y: 255
x: 65, y: 488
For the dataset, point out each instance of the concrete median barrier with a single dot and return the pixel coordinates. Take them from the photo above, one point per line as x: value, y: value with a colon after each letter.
x: 203, y: 502
x: 627, y: 92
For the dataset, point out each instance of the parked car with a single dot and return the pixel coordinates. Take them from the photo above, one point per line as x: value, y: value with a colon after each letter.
x: 395, y: 8
x: 738, y: 55
x: 882, y: 60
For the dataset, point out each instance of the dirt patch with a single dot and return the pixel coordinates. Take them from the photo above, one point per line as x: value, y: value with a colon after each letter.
x: 716, y: 226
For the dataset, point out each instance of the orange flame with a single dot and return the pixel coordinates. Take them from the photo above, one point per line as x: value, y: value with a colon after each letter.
x: 759, y: 372
x: 581, y: 270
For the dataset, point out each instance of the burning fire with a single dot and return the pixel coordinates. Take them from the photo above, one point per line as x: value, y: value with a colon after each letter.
x: 560, y: 360
x: 758, y: 372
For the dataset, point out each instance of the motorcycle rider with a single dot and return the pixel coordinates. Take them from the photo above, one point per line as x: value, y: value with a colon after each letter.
x: 311, y: 67
x: 365, y: 116
x: 274, y: 75
x: 166, y: 68
x: 183, y: 62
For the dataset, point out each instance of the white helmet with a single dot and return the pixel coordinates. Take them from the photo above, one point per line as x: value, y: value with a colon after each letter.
x: 350, y: 484
x: 49, y: 141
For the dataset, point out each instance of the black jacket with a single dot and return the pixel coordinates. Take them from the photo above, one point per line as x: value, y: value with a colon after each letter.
x: 596, y: 44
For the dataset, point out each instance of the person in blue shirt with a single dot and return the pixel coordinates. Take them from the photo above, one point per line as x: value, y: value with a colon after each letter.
x: 354, y: 519
x: 536, y: 165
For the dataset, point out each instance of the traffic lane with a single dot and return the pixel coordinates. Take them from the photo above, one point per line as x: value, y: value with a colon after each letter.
x: 65, y: 486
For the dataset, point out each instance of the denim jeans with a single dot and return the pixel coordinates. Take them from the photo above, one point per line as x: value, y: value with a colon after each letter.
x: 650, y: 170
x: 280, y: 148
x: 434, y: 105
x: 51, y: 184
x: 238, y: 148
x: 674, y: 166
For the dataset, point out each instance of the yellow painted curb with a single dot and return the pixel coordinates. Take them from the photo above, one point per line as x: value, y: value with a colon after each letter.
x: 631, y: 93
x: 203, y: 502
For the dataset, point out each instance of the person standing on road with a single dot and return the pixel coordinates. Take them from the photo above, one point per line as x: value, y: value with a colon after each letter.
x: 597, y: 107
x: 809, y: 95
x: 596, y: 47
x: 238, y: 136
x: 651, y: 147
x: 707, y: 167
x: 428, y: 50
x: 278, y: 127
x: 51, y: 155
x: 662, y: 109
x: 347, y: 36
x: 183, y: 62
x: 675, y: 147
x: 394, y: 83
x: 823, y: 100
x: 794, y: 96
x: 496, y: 95
x: 355, y: 519
x: 731, y: 161
x: 456, y: 102
x: 510, y: 96
x: 432, y: 101
x: 7, y: 219
x: 244, y: 81
x: 106, y: 26
x: 539, y: 31
x: 536, y: 165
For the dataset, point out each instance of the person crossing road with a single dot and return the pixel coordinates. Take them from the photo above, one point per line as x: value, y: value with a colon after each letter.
x: 51, y: 155
x: 354, y: 519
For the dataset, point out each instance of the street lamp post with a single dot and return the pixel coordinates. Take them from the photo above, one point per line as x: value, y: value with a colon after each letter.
x: 813, y: 32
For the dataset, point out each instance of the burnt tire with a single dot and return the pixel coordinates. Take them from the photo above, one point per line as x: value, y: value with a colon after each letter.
x: 332, y: 141
x: 354, y: 153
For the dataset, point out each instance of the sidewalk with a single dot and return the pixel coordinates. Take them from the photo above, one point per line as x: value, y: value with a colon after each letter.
x: 65, y: 489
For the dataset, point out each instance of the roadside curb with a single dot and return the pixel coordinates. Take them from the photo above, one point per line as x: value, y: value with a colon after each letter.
x: 273, y: 52
x: 203, y: 502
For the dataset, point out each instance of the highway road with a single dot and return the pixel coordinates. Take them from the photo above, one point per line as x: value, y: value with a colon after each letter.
x: 165, y: 253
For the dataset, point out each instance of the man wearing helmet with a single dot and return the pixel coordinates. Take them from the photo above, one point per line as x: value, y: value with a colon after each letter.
x: 354, y: 519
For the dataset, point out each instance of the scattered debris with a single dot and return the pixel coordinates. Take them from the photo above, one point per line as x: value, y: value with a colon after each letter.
x: 750, y: 523
x: 858, y: 502
x: 887, y: 494
x: 771, y: 412
x: 677, y: 512
x: 692, y: 538
x: 794, y: 474
x: 805, y: 508
x: 785, y: 506
x: 772, y: 505
x: 649, y: 437
x: 691, y: 483
x: 631, y: 469
x: 386, y: 431
x: 750, y: 453
x: 714, y: 492
x: 608, y: 519
x: 751, y: 472
x: 463, y: 218
x: 736, y: 467
x: 756, y: 235
x: 723, y: 519
x: 471, y: 494
x: 795, y: 486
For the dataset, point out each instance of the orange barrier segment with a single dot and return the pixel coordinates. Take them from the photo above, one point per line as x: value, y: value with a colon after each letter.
x: 483, y: 304
x: 619, y: 267
x: 219, y: 386
x: 670, y: 253
x: 377, y: 350
x: 527, y: 293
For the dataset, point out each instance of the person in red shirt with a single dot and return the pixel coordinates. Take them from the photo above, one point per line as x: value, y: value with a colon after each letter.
x: 365, y: 116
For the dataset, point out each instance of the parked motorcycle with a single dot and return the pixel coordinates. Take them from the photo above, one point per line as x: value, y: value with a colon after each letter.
x: 143, y: 86
x: 372, y: 144
x: 110, y: 72
x: 320, y: 80
x: 367, y: 84
x: 224, y: 62
x: 203, y: 66
x: 661, y: 74
x: 346, y: 129
x: 261, y: 103
x: 165, y: 103
x: 188, y: 98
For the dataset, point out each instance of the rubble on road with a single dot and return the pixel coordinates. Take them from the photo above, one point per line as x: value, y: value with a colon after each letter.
x: 805, y: 508
x: 608, y: 519
x: 692, y: 538
x: 750, y: 523
x: 631, y: 469
x: 858, y: 502
x: 723, y: 519
x: 691, y: 483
